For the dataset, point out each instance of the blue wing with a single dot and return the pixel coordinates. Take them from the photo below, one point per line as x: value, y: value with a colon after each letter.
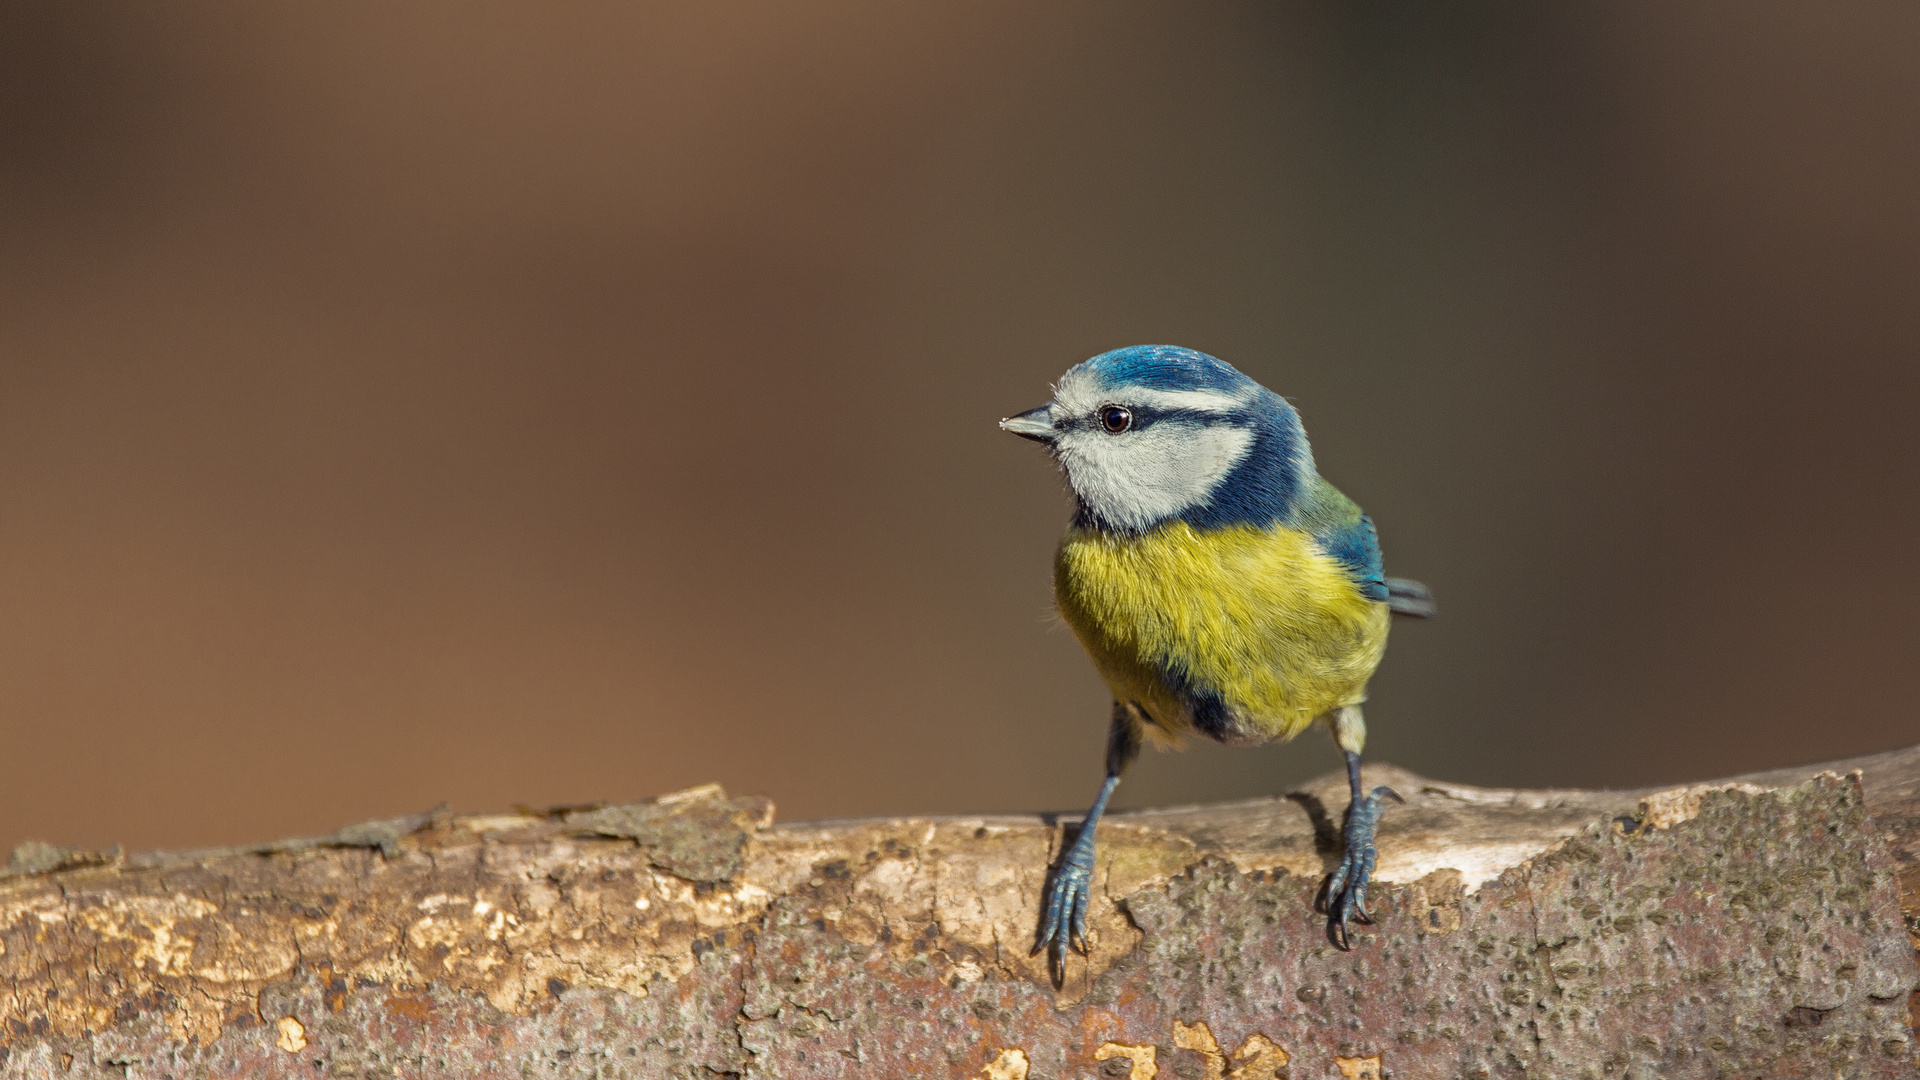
x: 1356, y: 545
x: 1348, y: 536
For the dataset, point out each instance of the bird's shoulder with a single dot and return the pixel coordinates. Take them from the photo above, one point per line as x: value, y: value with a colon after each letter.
x: 1345, y: 533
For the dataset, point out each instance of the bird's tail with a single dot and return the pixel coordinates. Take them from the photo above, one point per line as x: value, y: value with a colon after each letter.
x: 1410, y: 598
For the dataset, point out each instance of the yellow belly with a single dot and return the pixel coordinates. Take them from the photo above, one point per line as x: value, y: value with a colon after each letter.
x: 1263, y: 618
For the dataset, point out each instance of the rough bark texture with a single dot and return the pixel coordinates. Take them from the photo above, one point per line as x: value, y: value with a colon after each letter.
x: 1745, y: 928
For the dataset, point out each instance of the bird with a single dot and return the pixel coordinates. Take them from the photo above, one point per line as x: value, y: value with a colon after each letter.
x: 1221, y: 587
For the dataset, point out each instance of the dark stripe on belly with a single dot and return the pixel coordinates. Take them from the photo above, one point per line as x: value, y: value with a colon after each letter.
x: 1210, y: 715
x: 1208, y: 709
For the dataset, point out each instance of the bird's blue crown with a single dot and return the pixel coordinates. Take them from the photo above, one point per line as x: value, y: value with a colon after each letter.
x: 1165, y: 367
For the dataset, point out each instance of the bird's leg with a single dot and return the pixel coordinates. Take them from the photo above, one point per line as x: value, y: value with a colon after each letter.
x: 1347, y: 888
x: 1064, y: 922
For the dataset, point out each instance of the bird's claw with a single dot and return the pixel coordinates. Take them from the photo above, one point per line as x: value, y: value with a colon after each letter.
x: 1346, y: 901
x: 1065, y: 922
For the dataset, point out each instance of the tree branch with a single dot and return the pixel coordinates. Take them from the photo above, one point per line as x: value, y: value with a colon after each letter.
x: 1752, y: 926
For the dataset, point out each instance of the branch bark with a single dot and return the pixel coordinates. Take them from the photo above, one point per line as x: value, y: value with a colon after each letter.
x: 1752, y: 926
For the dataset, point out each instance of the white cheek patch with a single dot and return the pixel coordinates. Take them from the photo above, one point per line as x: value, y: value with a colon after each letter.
x: 1138, y: 478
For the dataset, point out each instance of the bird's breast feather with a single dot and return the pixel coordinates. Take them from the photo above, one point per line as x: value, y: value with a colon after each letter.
x: 1262, y: 616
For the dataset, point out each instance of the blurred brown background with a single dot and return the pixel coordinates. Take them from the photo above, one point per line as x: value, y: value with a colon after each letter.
x: 532, y: 403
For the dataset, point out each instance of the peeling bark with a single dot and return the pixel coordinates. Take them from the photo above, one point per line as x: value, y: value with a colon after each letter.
x: 1751, y: 927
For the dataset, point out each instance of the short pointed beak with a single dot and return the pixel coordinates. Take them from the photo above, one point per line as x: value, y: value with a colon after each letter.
x: 1035, y: 424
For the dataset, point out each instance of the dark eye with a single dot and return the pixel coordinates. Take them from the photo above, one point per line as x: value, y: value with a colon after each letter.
x: 1115, y: 418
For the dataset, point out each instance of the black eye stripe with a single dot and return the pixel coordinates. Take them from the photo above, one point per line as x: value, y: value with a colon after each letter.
x: 1145, y: 416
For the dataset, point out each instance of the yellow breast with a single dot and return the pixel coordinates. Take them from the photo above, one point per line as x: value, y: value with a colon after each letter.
x: 1263, y: 618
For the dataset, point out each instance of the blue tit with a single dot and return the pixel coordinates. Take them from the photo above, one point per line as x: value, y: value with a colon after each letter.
x: 1221, y: 587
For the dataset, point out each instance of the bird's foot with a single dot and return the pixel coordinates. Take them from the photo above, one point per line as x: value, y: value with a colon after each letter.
x: 1346, y: 901
x: 1064, y: 923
